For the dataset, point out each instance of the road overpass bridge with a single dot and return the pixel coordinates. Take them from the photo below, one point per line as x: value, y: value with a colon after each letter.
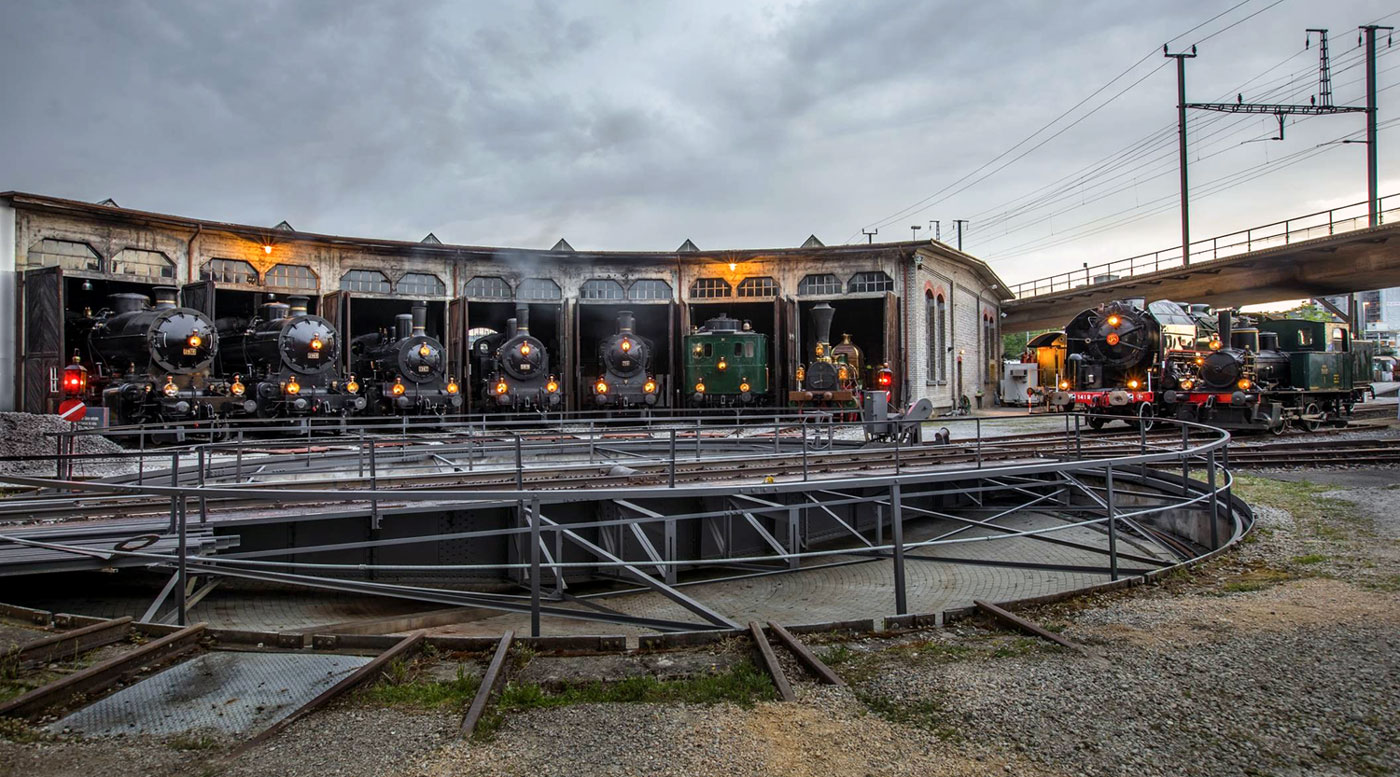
x: 1324, y: 253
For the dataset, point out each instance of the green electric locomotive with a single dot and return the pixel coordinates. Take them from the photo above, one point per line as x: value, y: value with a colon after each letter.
x: 726, y: 364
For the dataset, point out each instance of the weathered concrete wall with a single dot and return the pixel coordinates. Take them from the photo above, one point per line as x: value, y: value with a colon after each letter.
x: 9, y: 346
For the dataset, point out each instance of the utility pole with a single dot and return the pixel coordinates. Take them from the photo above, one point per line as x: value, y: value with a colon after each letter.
x: 870, y: 236
x: 914, y: 229
x: 1181, y: 148
x: 960, y: 223
x: 937, y: 230
x: 1372, y: 193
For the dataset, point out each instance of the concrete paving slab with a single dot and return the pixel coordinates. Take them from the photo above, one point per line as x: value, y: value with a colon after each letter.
x: 228, y: 693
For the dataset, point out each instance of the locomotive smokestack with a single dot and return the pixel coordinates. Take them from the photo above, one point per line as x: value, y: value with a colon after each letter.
x: 821, y: 319
x: 420, y: 317
x: 522, y: 319
x: 511, y: 329
x: 403, y: 326
x: 275, y: 311
x: 127, y: 303
x: 625, y: 322
x: 1222, y: 326
x: 165, y: 297
x: 298, y: 305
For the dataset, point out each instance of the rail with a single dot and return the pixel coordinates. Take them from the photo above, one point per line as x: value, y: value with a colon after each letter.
x: 1346, y: 218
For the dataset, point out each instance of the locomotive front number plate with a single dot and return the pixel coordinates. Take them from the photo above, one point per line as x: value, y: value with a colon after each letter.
x: 424, y: 368
x: 525, y: 367
x: 313, y: 355
x: 191, y: 351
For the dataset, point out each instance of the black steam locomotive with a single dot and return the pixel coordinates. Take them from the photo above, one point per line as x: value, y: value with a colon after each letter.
x: 514, y: 366
x: 290, y: 361
x: 154, y: 361
x: 834, y: 374
x: 404, y: 371
x: 626, y: 381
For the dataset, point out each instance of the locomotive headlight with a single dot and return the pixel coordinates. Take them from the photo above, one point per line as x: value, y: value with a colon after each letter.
x: 1214, y: 344
x: 501, y: 387
x: 1112, y: 338
x: 524, y: 349
x: 699, y: 388
x: 1187, y: 383
x: 293, y: 387
x: 552, y: 386
x: 1114, y: 320
x: 698, y: 350
x: 316, y: 343
x: 352, y: 385
x: 1133, y: 384
x: 1244, y: 384
x: 821, y: 349
x: 744, y: 387
x: 649, y: 387
x: 237, y: 388
x: 195, y: 341
x: 1200, y: 360
x: 801, y: 373
x: 452, y: 387
x: 425, y: 350
x: 723, y: 365
x: 601, y: 387
x: 842, y: 374
x: 398, y: 388
x: 626, y: 345
x: 170, y: 389
x: 1064, y: 385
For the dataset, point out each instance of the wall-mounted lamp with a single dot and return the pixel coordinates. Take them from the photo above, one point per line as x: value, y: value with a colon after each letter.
x: 733, y: 266
x: 267, y: 248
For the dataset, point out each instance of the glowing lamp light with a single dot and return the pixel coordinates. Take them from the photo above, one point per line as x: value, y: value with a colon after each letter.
x: 1134, y: 383
x: 723, y: 365
x: 1187, y: 383
x: 801, y: 374
x: 1112, y: 338
x: 352, y: 385
x: 1200, y: 360
x: 398, y: 388
x: 601, y: 387
x: 842, y: 374
x: 452, y: 387
x: 195, y: 341
x: 744, y: 387
x: 1244, y: 384
x: 551, y: 386
x: 733, y: 266
x: 170, y: 389
x: 885, y: 379
x: 820, y: 349
x: 1114, y: 320
x: 267, y: 249
x: 425, y: 350
x: 649, y: 387
x: 700, y: 388
x: 626, y: 345
x: 292, y: 387
x: 1064, y: 385
x: 502, y: 388
x: 74, y: 378
x: 316, y: 343
x: 699, y: 349
x: 1214, y: 345
x: 237, y: 388
x: 524, y: 349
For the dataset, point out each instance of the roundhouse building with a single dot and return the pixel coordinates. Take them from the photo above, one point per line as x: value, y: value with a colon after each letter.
x: 930, y: 312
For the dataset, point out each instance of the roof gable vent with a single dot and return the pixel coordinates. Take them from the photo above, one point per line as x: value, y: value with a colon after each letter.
x: 688, y: 248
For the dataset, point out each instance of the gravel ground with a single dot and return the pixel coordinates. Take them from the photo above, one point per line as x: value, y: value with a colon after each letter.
x: 24, y: 434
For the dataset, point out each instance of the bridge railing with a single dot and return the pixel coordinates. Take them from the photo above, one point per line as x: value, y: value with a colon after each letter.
x: 1347, y: 218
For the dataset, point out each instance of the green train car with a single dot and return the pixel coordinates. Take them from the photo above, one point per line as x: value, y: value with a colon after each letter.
x: 726, y: 365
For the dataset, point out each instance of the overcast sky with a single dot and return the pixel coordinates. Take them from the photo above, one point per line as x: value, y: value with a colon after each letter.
x: 636, y: 125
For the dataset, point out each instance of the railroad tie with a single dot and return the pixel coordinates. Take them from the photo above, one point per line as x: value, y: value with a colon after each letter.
x: 770, y: 662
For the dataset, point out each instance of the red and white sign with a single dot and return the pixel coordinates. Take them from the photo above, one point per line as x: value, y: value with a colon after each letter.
x: 72, y: 410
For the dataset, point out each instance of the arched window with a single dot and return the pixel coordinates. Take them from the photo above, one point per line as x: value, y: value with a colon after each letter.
x: 372, y: 281
x: 68, y: 254
x: 931, y: 337
x: 487, y: 287
x: 758, y: 286
x: 867, y: 282
x: 940, y: 315
x: 229, y: 271
x: 649, y: 289
x: 823, y: 283
x: 142, y: 263
x: 421, y: 284
x: 292, y: 276
x: 600, y: 289
x: 709, y: 288
x: 540, y: 289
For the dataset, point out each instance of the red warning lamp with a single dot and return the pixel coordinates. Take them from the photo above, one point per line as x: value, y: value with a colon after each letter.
x: 75, y: 379
x: 885, y: 378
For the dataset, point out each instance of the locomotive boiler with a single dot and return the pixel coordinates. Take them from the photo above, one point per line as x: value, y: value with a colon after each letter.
x: 289, y: 360
x: 155, y: 360
x: 403, y: 370
x: 626, y: 380
x: 514, y: 365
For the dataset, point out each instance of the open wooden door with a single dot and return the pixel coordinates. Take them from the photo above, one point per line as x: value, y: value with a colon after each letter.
x: 678, y: 381
x: 569, y: 365
x: 335, y: 308
x: 791, y: 345
x: 455, y: 340
x: 199, y: 296
x: 42, y: 292
x: 894, y: 354
x: 673, y: 379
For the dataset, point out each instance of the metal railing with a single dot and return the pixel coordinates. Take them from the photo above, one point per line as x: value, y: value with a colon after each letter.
x: 1347, y: 218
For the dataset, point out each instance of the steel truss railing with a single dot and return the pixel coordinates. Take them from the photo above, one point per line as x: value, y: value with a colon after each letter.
x: 1079, y: 479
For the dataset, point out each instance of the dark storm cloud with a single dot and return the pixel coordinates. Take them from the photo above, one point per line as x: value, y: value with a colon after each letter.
x: 614, y: 124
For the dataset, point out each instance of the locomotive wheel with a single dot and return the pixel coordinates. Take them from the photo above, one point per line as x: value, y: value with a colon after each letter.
x: 1311, y: 426
x: 1146, y: 416
x: 1097, y: 423
x: 1280, y: 427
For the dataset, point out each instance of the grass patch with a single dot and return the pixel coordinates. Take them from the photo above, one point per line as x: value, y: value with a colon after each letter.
x: 744, y: 684
x: 1256, y: 579
x: 193, y: 740
x: 1311, y: 558
x: 837, y: 655
x: 18, y: 731
x: 396, y: 690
